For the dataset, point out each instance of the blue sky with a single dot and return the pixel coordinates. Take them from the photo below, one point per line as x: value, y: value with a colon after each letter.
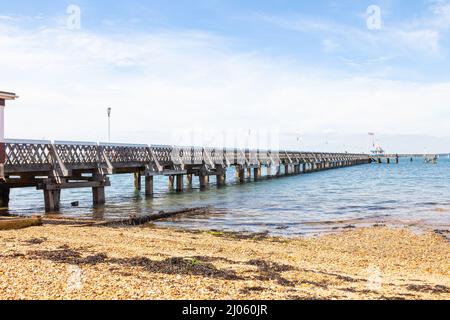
x: 314, y: 60
x: 255, y: 26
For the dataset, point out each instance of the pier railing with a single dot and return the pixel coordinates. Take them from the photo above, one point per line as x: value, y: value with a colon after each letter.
x: 41, y: 156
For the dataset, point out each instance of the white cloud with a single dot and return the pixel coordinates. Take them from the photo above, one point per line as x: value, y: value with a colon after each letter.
x: 441, y: 11
x: 422, y: 38
x: 161, y: 83
x: 329, y: 45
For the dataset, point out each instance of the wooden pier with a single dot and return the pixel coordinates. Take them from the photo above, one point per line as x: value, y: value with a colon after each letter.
x: 53, y: 166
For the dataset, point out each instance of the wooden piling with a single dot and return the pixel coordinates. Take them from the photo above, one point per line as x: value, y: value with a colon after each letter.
x: 221, y: 179
x: 149, y: 185
x: 257, y: 173
x: 179, y: 182
x: 240, y: 172
x: 52, y: 199
x: 98, y: 195
x: 171, y: 181
x: 203, y: 179
x: 137, y: 181
x: 269, y: 171
x: 278, y: 171
x: 4, y: 197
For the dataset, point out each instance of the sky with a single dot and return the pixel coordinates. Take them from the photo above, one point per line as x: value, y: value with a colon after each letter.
x: 310, y: 75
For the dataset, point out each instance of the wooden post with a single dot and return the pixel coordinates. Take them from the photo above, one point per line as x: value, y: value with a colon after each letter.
x: 189, y: 179
x: 98, y: 195
x: 149, y: 185
x: 256, y: 173
x: 171, y: 181
x: 269, y: 171
x: 240, y: 173
x: 180, y: 183
x: 203, y: 179
x: 249, y: 172
x: 4, y: 197
x: 137, y: 181
x: 286, y: 169
x: 52, y: 200
x: 220, y: 179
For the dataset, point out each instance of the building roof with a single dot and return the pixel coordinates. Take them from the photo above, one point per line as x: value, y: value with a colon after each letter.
x: 7, y: 95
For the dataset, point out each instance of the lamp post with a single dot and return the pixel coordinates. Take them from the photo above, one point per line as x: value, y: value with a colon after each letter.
x: 109, y: 124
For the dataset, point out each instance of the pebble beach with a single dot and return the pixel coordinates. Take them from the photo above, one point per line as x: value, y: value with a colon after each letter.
x: 75, y: 261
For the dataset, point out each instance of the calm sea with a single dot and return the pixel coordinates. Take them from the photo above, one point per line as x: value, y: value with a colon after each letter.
x: 410, y: 192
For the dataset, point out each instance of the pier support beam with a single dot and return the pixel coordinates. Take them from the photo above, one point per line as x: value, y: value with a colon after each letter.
x: 203, y: 179
x: 269, y: 171
x: 4, y: 197
x: 180, y: 182
x: 278, y: 171
x: 249, y: 172
x: 221, y: 179
x: 52, y: 200
x: 98, y: 196
x: 240, y: 173
x: 286, y: 169
x: 149, y: 185
x: 171, y: 181
x: 137, y: 181
x: 257, y: 173
x: 189, y: 179
x: 98, y: 192
x: 297, y: 169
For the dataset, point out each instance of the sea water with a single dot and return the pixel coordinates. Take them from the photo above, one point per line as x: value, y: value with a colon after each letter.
x: 412, y: 193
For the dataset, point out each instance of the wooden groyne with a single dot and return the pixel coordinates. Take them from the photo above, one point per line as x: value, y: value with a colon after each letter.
x: 53, y: 166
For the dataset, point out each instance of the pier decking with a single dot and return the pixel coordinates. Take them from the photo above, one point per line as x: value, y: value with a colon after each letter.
x: 53, y: 166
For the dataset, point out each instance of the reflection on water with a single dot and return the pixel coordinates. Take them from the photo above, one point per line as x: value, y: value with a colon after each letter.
x: 415, y: 192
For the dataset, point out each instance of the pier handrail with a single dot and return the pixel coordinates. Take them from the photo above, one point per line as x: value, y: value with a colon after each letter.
x: 67, y: 156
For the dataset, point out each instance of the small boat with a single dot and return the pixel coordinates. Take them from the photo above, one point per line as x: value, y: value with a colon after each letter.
x: 430, y: 158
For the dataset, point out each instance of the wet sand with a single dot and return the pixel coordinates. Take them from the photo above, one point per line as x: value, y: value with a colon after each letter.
x: 58, y: 261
